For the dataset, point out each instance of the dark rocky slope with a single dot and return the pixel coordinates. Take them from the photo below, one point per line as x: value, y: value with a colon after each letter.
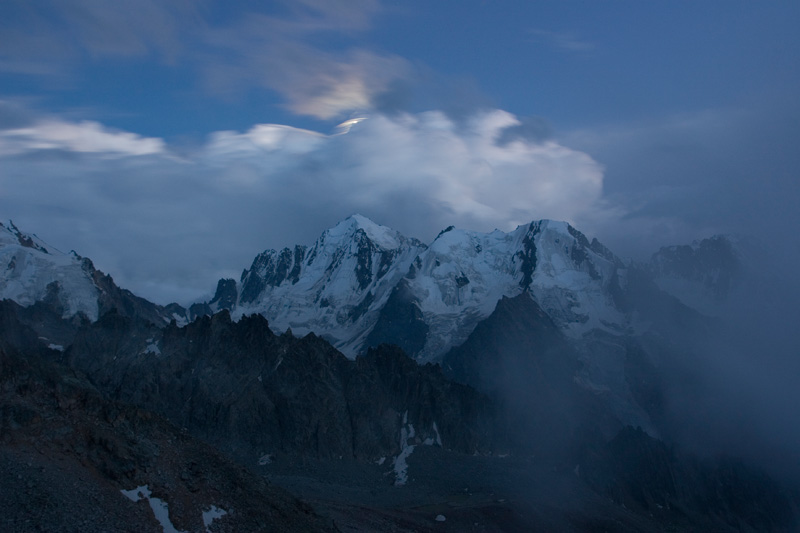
x: 645, y: 475
x: 251, y: 392
x: 66, y: 453
x: 520, y: 358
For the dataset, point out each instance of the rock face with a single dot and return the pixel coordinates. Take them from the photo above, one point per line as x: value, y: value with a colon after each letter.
x: 520, y: 357
x: 67, y: 453
x: 252, y: 392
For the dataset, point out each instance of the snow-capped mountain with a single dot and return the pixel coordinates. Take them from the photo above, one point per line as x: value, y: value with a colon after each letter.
x: 34, y: 271
x: 361, y: 284
x: 333, y: 288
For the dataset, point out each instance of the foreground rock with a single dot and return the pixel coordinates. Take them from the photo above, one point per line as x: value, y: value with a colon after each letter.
x: 66, y: 455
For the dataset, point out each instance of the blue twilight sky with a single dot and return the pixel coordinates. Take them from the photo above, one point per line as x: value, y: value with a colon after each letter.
x: 172, y: 140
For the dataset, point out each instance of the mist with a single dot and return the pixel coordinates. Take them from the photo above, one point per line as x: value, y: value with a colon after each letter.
x: 735, y: 392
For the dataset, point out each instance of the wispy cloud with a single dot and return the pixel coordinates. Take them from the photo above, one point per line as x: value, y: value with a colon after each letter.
x: 314, y: 82
x: 81, y: 137
x: 272, y: 46
x: 52, y: 36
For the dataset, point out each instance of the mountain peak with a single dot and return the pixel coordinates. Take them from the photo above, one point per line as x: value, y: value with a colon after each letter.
x: 23, y: 239
x: 383, y: 236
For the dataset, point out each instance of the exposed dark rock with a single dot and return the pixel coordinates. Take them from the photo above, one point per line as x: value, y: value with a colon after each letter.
x: 387, y: 384
x: 225, y: 295
x: 365, y: 249
x: 445, y: 230
x: 250, y: 392
x: 23, y: 239
x: 386, y: 263
x: 38, y: 324
x: 400, y: 322
x: 713, y: 263
x: 124, y: 301
x: 270, y: 269
x: 528, y: 255
x: 519, y: 357
x: 362, y: 307
x: 66, y: 453
x: 199, y: 309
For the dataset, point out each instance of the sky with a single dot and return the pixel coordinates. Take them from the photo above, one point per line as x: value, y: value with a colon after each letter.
x: 172, y: 140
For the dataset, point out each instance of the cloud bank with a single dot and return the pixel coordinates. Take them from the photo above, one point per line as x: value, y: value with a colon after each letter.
x: 167, y: 227
x: 684, y: 176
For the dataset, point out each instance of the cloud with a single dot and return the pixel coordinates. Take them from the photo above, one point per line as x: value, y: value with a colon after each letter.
x: 86, y: 137
x: 272, y: 53
x: 168, y: 227
x: 535, y: 129
x: 680, y: 177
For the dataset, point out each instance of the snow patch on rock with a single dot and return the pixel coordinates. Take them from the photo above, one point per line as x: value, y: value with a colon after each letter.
x: 400, y: 464
x: 212, y: 514
x: 159, y: 507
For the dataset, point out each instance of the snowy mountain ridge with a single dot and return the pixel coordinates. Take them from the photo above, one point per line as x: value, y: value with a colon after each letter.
x: 348, y: 285
x: 361, y: 284
x: 458, y: 281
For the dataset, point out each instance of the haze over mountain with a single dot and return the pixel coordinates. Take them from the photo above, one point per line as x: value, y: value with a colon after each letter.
x: 558, y: 345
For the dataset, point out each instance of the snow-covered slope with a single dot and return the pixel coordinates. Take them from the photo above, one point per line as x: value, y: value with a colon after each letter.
x: 334, y: 288
x: 458, y: 281
x: 34, y: 271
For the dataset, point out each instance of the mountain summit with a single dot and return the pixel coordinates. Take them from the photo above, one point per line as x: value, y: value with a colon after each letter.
x: 334, y: 288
